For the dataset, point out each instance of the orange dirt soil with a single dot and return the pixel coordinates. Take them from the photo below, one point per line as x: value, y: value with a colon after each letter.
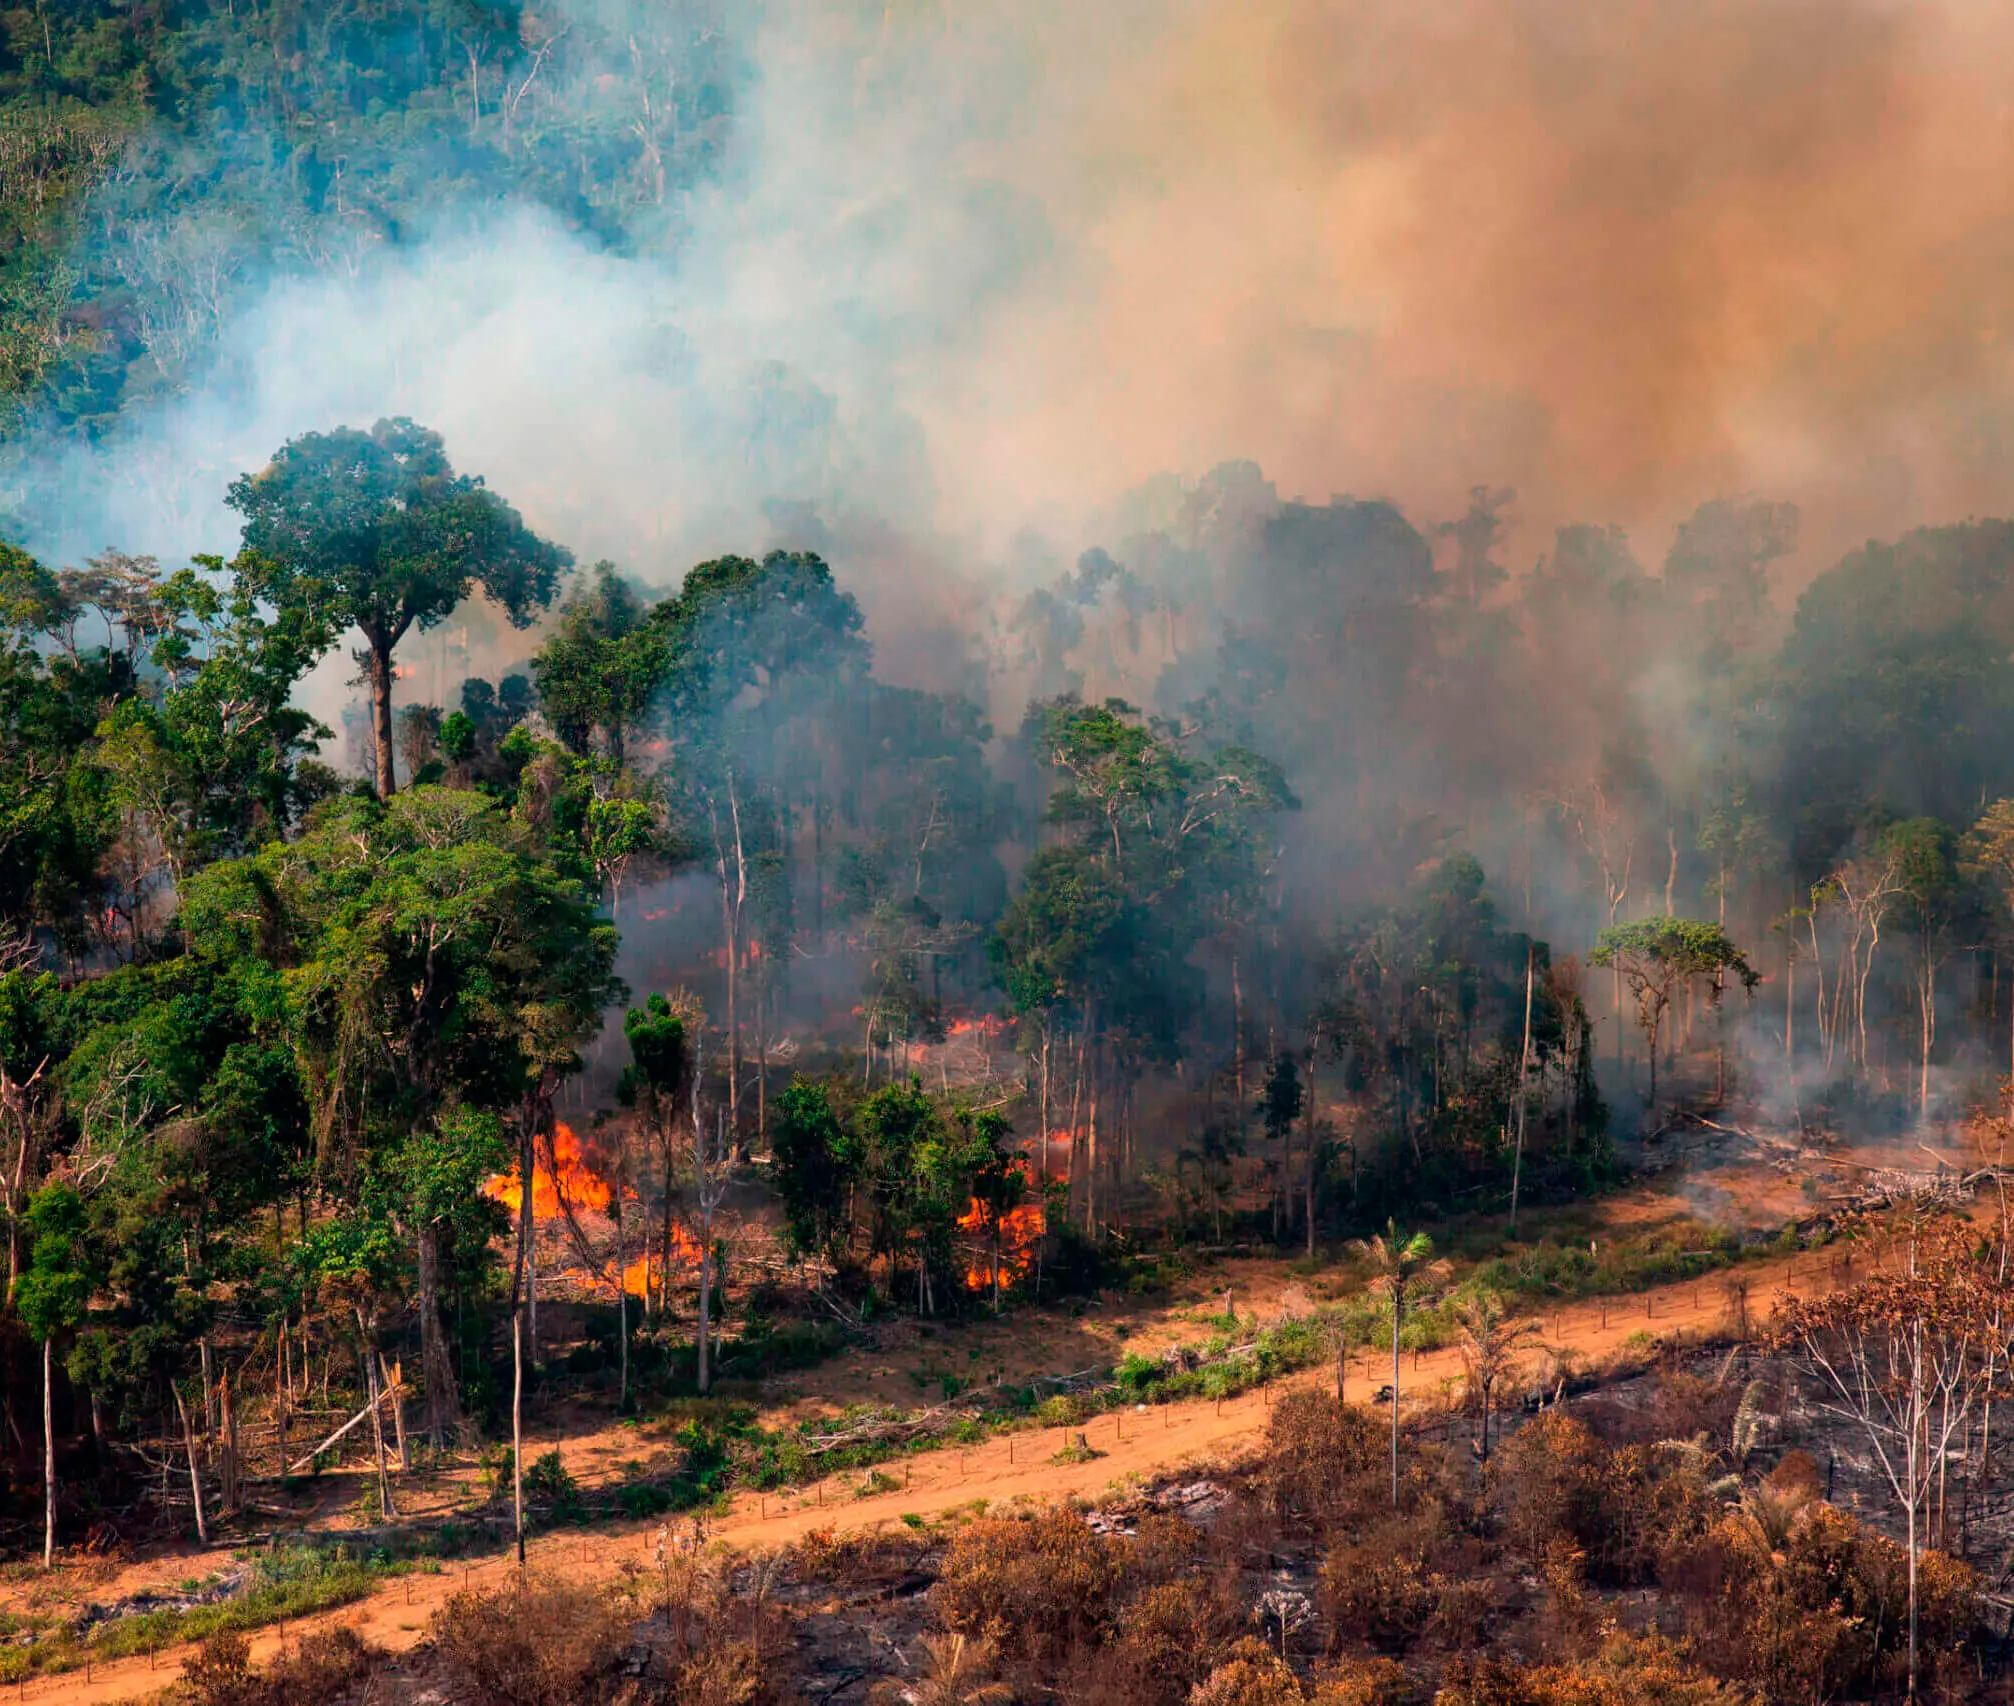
x: 1134, y: 1446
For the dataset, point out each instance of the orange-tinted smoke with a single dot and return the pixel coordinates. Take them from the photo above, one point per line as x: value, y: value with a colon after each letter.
x: 1622, y: 257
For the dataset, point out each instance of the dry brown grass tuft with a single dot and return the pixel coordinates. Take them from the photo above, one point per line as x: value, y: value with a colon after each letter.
x: 530, y: 1644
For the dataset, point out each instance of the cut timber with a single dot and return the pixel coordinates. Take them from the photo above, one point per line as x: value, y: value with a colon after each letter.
x: 361, y: 1415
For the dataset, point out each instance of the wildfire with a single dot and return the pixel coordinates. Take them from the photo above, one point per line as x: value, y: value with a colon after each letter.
x: 985, y: 1026
x: 585, y: 1189
x: 1020, y: 1230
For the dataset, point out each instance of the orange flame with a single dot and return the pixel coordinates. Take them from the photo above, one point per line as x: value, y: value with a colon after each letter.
x: 585, y: 1189
x: 1020, y: 1230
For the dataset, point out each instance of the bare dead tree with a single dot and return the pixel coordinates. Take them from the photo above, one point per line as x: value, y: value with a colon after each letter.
x: 712, y: 1171
x: 1901, y: 1358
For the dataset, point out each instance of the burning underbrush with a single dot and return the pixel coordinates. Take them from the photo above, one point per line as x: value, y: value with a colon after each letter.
x: 580, y: 1245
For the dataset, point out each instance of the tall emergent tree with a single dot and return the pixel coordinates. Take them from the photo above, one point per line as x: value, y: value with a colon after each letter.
x: 1658, y: 957
x: 376, y: 531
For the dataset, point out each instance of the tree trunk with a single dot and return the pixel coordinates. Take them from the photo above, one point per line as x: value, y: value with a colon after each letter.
x: 1398, y: 1309
x: 1915, y: 1476
x: 1308, y: 1134
x: 1928, y: 996
x: 705, y: 1296
x: 393, y: 1375
x: 209, y: 1392
x: 622, y: 1303
x: 378, y: 667
x: 48, y: 1458
x: 1091, y: 1155
x: 195, y: 1479
x: 233, y: 1481
x: 664, y: 1246
x: 1523, y: 1068
x: 437, y: 1372
x: 527, y: 1223
x: 517, y: 1428
x: 386, y: 1507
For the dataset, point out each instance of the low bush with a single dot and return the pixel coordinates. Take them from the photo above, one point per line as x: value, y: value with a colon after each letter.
x: 322, y: 1669
x: 529, y: 1644
x: 1032, y: 1586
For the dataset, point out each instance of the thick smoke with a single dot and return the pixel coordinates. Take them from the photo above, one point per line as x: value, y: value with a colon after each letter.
x: 975, y: 270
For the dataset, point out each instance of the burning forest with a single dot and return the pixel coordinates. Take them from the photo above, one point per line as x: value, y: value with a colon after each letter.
x: 694, y: 707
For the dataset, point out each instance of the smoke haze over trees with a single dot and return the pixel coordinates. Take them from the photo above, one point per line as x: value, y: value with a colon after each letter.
x: 1367, y: 595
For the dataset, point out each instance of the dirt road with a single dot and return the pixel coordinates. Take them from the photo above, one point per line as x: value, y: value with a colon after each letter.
x: 1133, y: 1445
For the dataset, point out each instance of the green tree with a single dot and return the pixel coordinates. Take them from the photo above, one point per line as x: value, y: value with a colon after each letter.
x: 1986, y: 857
x: 999, y: 1185
x: 602, y: 664
x: 1280, y: 1103
x: 815, y: 1168
x: 52, y: 1297
x: 376, y: 531
x: 430, y: 958
x: 658, y: 1080
x: 1658, y: 957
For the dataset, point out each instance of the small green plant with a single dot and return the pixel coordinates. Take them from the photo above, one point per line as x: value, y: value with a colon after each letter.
x: 551, y: 1483
x: 644, y: 1499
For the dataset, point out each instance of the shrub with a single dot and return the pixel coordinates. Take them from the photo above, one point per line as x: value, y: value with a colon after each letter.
x: 644, y: 1499
x: 1361, y: 1682
x: 323, y: 1669
x: 726, y: 1675
x: 1252, y: 1674
x: 1168, y: 1637
x: 551, y: 1483
x: 1032, y: 1586
x: 219, y: 1673
x: 1324, y: 1461
x: 1463, y: 1607
x: 1629, y: 1671
x: 530, y: 1644
x: 1383, y: 1588
x: 1554, y: 1480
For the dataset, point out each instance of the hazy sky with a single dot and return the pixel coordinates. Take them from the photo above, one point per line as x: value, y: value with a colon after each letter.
x: 978, y: 268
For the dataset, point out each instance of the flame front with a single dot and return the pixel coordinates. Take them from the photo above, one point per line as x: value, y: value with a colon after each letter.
x: 1020, y: 1230
x: 568, y: 1171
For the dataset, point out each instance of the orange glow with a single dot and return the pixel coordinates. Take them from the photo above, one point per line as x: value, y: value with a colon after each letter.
x: 584, y: 1187
x: 653, y: 915
x: 1020, y: 1230
x: 985, y: 1026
